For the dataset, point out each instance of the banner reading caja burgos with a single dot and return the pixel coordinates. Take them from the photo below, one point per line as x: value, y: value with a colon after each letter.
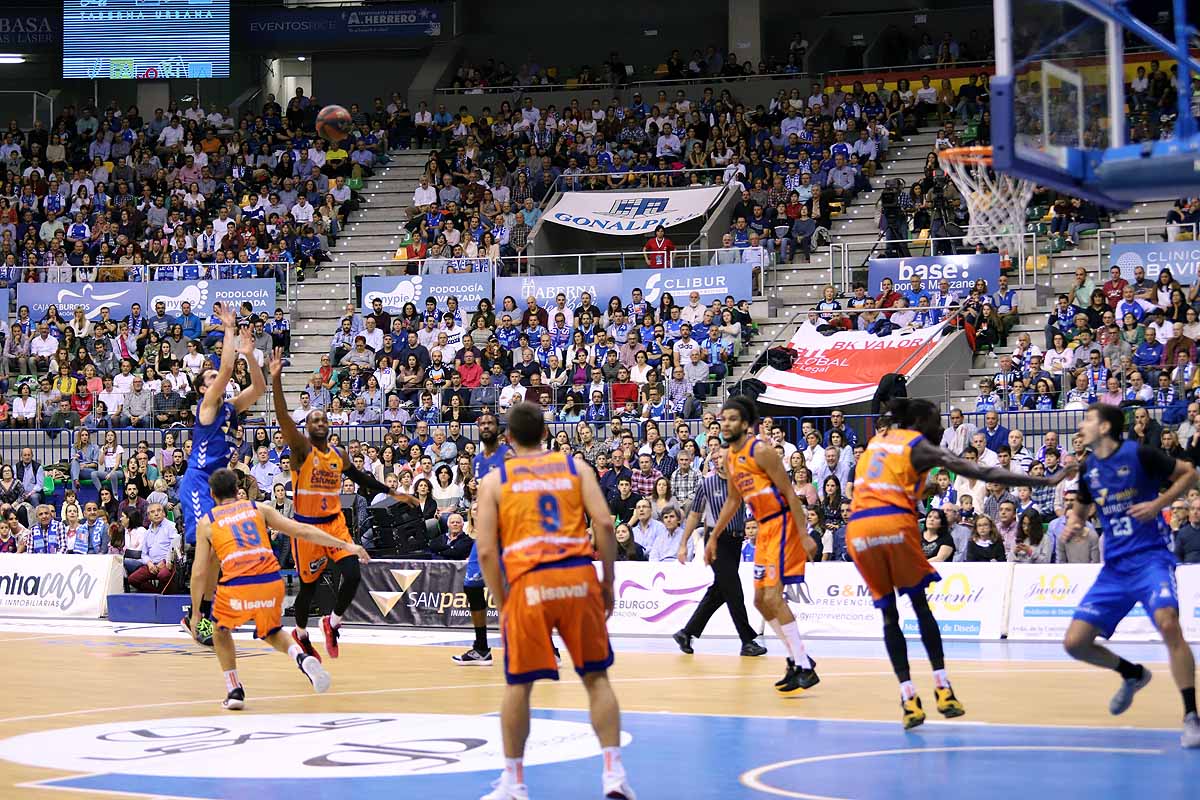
x: 395, y: 291
x: 1181, y: 258
x: 845, y: 367
x: 1044, y: 598
x: 960, y: 271
x: 631, y: 213
x: 58, y: 585
x: 659, y: 598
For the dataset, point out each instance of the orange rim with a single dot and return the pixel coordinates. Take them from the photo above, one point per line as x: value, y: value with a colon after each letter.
x: 967, y: 155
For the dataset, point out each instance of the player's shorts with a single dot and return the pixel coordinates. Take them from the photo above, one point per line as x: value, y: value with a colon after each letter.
x: 252, y: 597
x: 473, y: 579
x: 195, y: 500
x: 779, y: 557
x: 1148, y: 578
x: 564, y: 595
x: 885, y: 546
x: 311, y: 559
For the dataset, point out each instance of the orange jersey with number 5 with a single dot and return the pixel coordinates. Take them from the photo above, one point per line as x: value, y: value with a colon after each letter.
x: 318, y: 486
x: 541, y: 516
x: 885, y: 476
x: 241, y: 541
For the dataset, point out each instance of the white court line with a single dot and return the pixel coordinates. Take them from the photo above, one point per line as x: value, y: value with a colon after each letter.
x: 48, y: 785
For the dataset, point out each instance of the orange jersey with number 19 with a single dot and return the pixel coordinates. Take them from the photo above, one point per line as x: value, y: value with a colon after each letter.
x: 541, y: 517
x: 241, y: 541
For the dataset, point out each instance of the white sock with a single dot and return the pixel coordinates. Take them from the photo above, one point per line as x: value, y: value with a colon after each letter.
x: 302, y: 632
x: 335, y: 620
x: 778, y: 628
x: 940, y: 679
x: 231, y: 680
x: 295, y: 650
x: 792, y: 632
x: 907, y: 690
x: 612, y: 761
x: 514, y: 771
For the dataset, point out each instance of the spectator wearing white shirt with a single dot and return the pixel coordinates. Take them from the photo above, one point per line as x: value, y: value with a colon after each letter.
x: 985, y: 457
x: 424, y: 197
x: 646, y: 530
x: 302, y: 211
x: 43, y: 347
x: 373, y: 335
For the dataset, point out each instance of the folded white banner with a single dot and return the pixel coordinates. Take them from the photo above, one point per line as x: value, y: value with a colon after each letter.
x: 631, y: 213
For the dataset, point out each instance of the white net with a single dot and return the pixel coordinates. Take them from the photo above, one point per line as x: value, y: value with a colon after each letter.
x: 995, y: 201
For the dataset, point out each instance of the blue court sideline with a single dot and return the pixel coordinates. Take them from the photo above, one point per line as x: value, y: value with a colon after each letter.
x: 687, y: 756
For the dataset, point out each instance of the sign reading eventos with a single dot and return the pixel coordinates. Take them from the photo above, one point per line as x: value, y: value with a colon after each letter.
x: 1044, y: 598
x: 395, y: 291
x: 373, y: 26
x: 631, y: 213
x: 1181, y: 258
x: 960, y: 271
x: 712, y: 283
x: 58, y: 585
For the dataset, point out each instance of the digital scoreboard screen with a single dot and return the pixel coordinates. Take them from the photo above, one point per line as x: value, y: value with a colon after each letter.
x: 145, y: 39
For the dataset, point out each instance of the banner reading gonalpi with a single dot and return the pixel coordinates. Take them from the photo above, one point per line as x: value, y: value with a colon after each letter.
x: 631, y: 213
x: 845, y: 367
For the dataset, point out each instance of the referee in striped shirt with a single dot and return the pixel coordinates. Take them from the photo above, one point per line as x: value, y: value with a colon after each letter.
x: 727, y: 585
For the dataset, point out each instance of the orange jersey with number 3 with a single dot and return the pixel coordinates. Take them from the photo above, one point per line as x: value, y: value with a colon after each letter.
x: 241, y: 541
x: 885, y: 476
x: 318, y: 486
x: 541, y: 517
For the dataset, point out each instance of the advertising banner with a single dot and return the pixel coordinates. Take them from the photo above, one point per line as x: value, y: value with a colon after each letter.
x: 202, y: 294
x: 1044, y: 598
x: 712, y: 283
x: 845, y: 367
x: 374, y: 26
x: 1188, y: 578
x: 960, y: 271
x: 659, y: 598
x: 1181, y: 258
x: 631, y: 213
x: 546, y: 287
x: 117, y: 297
x: 420, y: 593
x: 24, y: 29
x: 397, y: 290
x: 834, y: 601
x: 58, y: 585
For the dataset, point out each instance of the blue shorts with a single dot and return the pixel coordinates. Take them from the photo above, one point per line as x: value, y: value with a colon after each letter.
x: 1148, y: 578
x: 195, y: 500
x: 473, y: 579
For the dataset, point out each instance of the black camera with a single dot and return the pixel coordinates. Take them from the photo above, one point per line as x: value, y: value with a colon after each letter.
x: 889, y: 199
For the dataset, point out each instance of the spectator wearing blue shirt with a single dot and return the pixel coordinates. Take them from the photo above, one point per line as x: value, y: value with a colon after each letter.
x: 837, y: 422
x: 915, y: 291
x: 1148, y: 356
x: 995, y: 433
x: 191, y: 324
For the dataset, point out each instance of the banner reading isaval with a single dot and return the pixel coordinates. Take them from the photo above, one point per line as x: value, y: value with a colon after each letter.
x: 960, y: 271
x: 631, y: 213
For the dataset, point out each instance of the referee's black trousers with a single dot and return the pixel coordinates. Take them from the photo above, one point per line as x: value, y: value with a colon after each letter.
x: 726, y: 588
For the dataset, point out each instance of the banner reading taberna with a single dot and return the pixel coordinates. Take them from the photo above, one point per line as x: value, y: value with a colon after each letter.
x: 960, y: 271
x: 546, y: 287
x: 395, y: 291
x: 259, y: 292
x: 631, y: 213
x: 1181, y: 258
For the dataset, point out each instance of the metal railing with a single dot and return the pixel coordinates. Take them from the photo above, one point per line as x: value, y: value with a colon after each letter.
x: 42, y: 107
x: 621, y: 87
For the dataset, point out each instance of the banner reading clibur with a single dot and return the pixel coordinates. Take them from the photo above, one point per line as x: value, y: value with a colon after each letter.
x: 960, y: 271
x: 711, y: 283
x: 395, y: 291
x: 631, y: 213
x: 1181, y: 258
x: 58, y: 585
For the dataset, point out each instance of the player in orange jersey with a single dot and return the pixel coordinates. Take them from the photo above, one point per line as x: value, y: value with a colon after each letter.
x: 233, y: 541
x: 756, y: 477
x: 536, y: 555
x: 317, y: 470
x: 885, y: 541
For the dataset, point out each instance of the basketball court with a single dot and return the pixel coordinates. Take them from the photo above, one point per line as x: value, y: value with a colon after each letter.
x: 99, y: 710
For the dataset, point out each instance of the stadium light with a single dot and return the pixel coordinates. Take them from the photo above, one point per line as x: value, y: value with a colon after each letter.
x: 11, y: 58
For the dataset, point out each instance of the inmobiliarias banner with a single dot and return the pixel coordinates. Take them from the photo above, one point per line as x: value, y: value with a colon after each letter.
x: 845, y: 367
x: 58, y: 585
x: 426, y: 594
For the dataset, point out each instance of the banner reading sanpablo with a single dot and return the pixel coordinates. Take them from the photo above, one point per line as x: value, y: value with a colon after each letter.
x: 1044, y: 598
x: 58, y: 585
x: 845, y: 367
x: 259, y: 292
x: 1181, y: 258
x: 546, y: 287
x: 631, y: 213
x: 395, y: 291
x: 960, y: 271
x: 712, y: 283
x: 420, y: 593
x: 91, y: 297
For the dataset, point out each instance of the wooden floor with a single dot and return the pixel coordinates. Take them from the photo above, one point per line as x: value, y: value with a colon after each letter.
x: 57, y: 682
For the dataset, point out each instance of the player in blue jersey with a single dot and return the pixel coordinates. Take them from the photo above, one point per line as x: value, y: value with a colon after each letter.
x: 1122, y: 482
x: 490, y: 457
x: 212, y: 439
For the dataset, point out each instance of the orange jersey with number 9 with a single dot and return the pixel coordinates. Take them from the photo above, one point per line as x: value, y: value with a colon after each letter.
x: 541, y: 517
x: 318, y: 485
x: 885, y: 475
x: 241, y: 541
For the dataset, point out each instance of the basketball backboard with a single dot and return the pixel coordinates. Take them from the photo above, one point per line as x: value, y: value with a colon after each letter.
x: 1059, y: 105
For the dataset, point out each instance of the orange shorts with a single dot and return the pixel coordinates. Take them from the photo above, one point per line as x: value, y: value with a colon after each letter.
x: 885, y: 545
x: 779, y: 558
x: 252, y: 597
x: 311, y: 559
x: 564, y: 595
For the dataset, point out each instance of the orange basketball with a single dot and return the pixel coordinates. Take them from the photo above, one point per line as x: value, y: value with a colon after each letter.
x: 333, y: 123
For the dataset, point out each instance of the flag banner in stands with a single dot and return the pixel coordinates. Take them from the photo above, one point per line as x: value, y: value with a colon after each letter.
x: 960, y: 271
x: 1044, y: 598
x: 631, y: 213
x: 58, y: 585
x: 395, y: 291
x: 659, y: 598
x: 420, y: 593
x: 259, y: 292
x: 546, y: 287
x: 1181, y: 258
x: 118, y: 298
x: 845, y: 367
x: 712, y: 283
x: 1188, y: 578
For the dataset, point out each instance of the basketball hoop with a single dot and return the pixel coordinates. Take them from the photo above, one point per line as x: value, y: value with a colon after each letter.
x: 995, y: 201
